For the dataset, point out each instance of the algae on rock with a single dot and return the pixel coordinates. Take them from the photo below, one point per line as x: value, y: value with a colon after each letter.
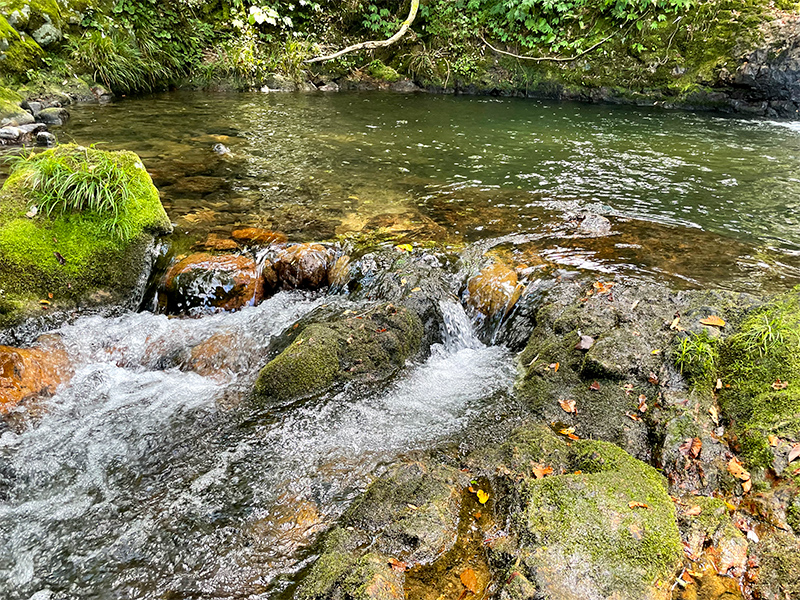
x: 80, y: 254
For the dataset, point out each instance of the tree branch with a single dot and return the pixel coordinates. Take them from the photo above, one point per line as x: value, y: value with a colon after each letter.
x: 550, y: 58
x: 412, y: 14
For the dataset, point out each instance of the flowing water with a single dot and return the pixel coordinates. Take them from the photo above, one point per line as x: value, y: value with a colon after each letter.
x: 145, y: 478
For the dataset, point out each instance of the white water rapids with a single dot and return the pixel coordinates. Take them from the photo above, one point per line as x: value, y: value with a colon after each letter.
x: 141, y: 481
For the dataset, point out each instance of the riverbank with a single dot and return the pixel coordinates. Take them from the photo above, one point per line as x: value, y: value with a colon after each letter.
x: 720, y: 55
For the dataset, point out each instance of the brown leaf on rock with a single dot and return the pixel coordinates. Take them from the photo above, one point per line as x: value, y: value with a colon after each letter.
x: 793, y: 453
x: 633, y: 416
x: 540, y: 471
x: 696, y: 447
x: 652, y: 378
x: 637, y: 505
x: 398, y: 565
x: 602, y: 287
x: 568, y: 406
x: 693, y: 511
x: 470, y: 580
x: 642, y: 403
x: 779, y: 385
x: 773, y: 440
x: 747, y: 485
x: 714, y: 414
x: 736, y: 469
x: 713, y: 321
x: 595, y: 386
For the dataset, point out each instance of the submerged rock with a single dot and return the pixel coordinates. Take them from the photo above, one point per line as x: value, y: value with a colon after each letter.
x: 29, y: 373
x: 364, y: 348
x: 204, y: 280
x: 76, y: 257
x: 53, y: 116
x: 259, y: 236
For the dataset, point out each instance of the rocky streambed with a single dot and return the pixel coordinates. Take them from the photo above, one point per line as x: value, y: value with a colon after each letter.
x: 366, y: 419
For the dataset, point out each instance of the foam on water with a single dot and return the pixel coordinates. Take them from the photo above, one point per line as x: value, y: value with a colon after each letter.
x: 135, y: 483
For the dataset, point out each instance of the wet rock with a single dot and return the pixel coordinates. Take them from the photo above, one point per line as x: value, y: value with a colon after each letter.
x: 45, y: 138
x: 580, y: 530
x: 214, y: 242
x: 405, y: 86
x: 200, y: 185
x: 53, y: 116
x: 339, y: 273
x: 366, y: 348
x: 33, y: 107
x: 204, y: 280
x: 258, y: 236
x: 778, y: 556
x: 409, y: 515
x: 592, y: 225
x: 29, y: 373
x: 20, y: 118
x: 493, y: 291
x: 303, y: 266
x: 217, y: 356
x: 331, y: 86
x: 47, y: 34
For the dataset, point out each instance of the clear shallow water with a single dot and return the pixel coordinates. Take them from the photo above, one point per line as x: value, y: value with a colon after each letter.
x: 142, y: 481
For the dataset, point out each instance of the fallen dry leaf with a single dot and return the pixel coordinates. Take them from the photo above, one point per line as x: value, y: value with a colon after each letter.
x: 470, y: 580
x: 693, y: 511
x: 554, y: 366
x: 713, y: 320
x: 602, y: 287
x: 773, y: 440
x: 540, y: 471
x: 633, y: 417
x: 719, y: 384
x: 627, y: 388
x: 637, y: 505
x: 595, y: 386
x: 736, y: 469
x: 584, y: 343
x: 714, y: 414
x: 477, y: 516
x: 652, y: 378
x: 568, y: 406
x: 746, y: 486
x: 566, y: 431
x: 779, y: 385
x: 675, y: 322
x: 793, y: 453
x: 398, y: 565
x: 642, y: 403
x: 483, y: 497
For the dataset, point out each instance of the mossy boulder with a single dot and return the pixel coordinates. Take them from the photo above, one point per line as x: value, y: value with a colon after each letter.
x: 364, y: 348
x: 11, y: 111
x: 760, y: 366
x: 18, y: 52
x: 73, y: 258
x: 600, y: 525
x: 410, y: 515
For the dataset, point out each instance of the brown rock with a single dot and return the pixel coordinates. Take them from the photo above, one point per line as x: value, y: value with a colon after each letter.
x: 303, y: 266
x: 256, y: 235
x: 214, y: 242
x: 214, y: 356
x: 339, y: 273
x: 224, y: 281
x: 494, y: 290
x: 27, y: 373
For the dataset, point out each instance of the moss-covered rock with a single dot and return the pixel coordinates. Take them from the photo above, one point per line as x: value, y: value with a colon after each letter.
x: 410, y: 514
x: 760, y: 366
x: 11, y: 111
x: 18, y: 52
x: 368, y: 347
x: 75, y: 258
x: 600, y: 526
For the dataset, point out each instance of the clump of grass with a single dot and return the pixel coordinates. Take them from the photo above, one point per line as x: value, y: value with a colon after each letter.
x: 697, y: 357
x: 80, y: 180
x: 770, y: 332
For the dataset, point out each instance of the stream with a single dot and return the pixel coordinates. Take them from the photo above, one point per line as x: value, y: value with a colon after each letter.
x: 145, y: 480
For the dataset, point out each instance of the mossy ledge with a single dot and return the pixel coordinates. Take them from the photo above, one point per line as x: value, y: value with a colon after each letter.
x: 75, y: 258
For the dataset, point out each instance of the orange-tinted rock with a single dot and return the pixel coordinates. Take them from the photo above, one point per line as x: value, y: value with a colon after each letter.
x: 339, y: 273
x: 214, y: 242
x: 27, y: 373
x: 494, y: 290
x: 223, y: 281
x: 214, y: 356
x: 303, y: 266
x: 256, y: 235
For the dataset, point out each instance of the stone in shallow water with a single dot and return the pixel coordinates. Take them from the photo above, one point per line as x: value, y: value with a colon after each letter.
x: 204, y: 280
x: 257, y: 235
x: 27, y: 373
x: 303, y: 266
x: 493, y: 291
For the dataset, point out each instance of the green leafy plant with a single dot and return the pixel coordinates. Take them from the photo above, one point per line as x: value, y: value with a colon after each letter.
x: 88, y: 182
x: 380, y: 21
x: 697, y: 357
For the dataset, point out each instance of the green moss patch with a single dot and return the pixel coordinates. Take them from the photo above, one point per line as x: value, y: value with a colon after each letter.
x: 367, y: 347
x: 761, y: 364
x: 581, y: 528
x: 68, y: 256
x: 18, y: 52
